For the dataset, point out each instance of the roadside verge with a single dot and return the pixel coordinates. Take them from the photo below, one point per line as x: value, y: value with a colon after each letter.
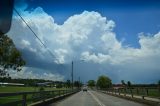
x: 134, y: 98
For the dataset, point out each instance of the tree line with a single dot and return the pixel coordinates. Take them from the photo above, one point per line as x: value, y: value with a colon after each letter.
x: 34, y: 82
x: 105, y: 82
x: 102, y: 82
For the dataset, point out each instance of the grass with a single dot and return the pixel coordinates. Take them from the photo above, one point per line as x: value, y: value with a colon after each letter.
x: 154, y: 92
x: 21, y: 89
x: 25, y: 89
x: 16, y: 89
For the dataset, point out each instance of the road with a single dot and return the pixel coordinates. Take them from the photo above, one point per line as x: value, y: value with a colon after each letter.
x: 93, y: 98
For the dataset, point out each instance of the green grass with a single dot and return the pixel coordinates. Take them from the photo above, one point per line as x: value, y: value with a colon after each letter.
x: 16, y: 89
x: 25, y: 89
x: 154, y: 92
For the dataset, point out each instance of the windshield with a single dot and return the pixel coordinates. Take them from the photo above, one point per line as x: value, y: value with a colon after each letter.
x: 87, y: 44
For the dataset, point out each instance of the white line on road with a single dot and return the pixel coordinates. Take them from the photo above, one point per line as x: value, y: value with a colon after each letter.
x: 96, y: 99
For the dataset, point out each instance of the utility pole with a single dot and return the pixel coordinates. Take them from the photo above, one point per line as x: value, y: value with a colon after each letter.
x: 79, y: 82
x: 79, y: 79
x: 72, y: 75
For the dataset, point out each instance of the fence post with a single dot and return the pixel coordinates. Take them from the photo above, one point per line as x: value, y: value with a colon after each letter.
x: 142, y: 96
x: 59, y: 93
x: 137, y: 91
x: 131, y: 92
x: 24, y: 102
x: 63, y: 92
x: 53, y: 93
x: 118, y: 91
x: 125, y: 91
x: 147, y: 91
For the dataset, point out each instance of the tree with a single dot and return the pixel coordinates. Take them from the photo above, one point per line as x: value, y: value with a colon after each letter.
x: 59, y: 85
x: 76, y: 83
x: 123, y: 83
x: 91, y: 83
x: 129, y: 84
x: 68, y: 83
x: 159, y: 82
x: 10, y: 57
x: 104, y: 82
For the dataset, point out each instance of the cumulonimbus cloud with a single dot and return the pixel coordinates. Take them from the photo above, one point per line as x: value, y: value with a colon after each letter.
x: 88, y: 36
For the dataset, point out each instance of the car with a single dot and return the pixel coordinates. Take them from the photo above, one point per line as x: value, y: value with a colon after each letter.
x: 84, y: 89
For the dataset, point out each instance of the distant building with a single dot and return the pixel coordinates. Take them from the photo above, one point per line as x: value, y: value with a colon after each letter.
x: 118, y: 86
x: 44, y: 84
x: 10, y: 84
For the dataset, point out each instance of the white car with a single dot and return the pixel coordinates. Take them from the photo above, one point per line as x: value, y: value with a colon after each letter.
x: 85, y: 89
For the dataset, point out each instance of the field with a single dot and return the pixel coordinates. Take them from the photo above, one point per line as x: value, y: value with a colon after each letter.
x: 24, y: 89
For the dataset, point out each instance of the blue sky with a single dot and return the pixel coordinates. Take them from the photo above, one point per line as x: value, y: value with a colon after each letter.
x: 117, y: 38
x: 144, y: 14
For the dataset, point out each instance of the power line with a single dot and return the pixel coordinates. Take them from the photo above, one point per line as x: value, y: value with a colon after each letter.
x: 34, y: 32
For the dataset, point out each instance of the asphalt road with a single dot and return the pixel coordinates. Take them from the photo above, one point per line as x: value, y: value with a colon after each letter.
x: 93, y: 98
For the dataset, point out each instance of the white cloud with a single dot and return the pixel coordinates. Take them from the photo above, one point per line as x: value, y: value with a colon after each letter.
x: 59, y: 53
x: 150, y: 44
x: 99, y: 58
x: 25, y: 43
x: 88, y: 36
x: 149, y: 48
x: 77, y: 32
x: 110, y: 41
x: 27, y: 74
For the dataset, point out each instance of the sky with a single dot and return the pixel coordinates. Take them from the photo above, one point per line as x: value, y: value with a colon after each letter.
x: 116, y: 38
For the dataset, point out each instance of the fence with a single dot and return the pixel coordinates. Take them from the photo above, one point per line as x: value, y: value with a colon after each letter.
x: 150, y: 92
x: 25, y: 98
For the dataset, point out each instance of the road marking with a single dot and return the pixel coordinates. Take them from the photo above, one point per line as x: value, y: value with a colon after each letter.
x: 96, y: 99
